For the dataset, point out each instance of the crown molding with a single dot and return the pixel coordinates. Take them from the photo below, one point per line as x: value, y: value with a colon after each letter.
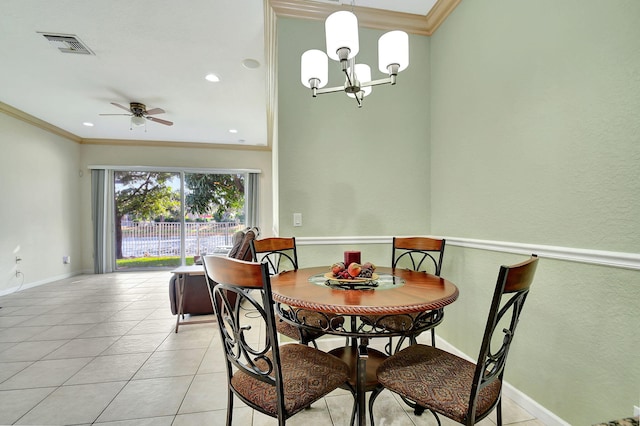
x: 438, y: 13
x: 368, y: 17
x: 23, y: 116
x: 172, y: 144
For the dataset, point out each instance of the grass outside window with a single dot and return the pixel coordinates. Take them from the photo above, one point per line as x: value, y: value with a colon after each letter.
x: 151, y: 262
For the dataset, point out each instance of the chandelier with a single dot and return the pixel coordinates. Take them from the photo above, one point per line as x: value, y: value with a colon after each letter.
x: 341, y: 30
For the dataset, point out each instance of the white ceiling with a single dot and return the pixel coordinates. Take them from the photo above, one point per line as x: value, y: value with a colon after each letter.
x: 154, y: 52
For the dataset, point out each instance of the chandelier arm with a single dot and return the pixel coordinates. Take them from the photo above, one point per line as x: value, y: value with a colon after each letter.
x: 330, y: 90
x: 389, y: 80
x: 336, y: 89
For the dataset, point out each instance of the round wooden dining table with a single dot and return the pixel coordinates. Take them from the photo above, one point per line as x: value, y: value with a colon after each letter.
x: 309, y: 298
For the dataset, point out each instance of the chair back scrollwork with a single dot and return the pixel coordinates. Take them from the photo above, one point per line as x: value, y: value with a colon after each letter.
x: 279, y: 253
x: 418, y: 253
x: 239, y: 288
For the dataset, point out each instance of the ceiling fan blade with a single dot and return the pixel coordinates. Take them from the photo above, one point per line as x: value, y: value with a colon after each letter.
x: 120, y: 106
x: 116, y: 114
x: 153, y: 111
x: 161, y: 121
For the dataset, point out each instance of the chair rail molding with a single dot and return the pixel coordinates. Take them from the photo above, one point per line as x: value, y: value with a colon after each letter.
x: 595, y: 257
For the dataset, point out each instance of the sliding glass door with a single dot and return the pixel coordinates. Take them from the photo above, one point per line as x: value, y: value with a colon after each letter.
x: 164, y: 219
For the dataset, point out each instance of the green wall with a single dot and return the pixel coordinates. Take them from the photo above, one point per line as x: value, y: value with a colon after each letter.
x: 516, y: 122
x: 535, y: 116
x: 350, y: 170
x: 40, y: 186
x: 535, y: 139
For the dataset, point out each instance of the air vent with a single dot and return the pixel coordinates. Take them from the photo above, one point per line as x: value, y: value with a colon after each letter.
x: 67, y: 43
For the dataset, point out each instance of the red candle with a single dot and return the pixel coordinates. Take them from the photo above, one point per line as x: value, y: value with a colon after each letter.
x: 350, y: 257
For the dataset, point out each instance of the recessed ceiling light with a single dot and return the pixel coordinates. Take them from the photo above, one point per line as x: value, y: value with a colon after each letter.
x: 250, y: 64
x: 86, y: 123
x: 233, y: 131
x: 212, y: 78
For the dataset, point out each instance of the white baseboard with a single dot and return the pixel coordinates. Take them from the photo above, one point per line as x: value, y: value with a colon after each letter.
x: 13, y: 289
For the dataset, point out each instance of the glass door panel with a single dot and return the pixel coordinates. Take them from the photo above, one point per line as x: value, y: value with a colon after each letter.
x: 214, y: 210
x: 147, y: 222
x: 154, y: 228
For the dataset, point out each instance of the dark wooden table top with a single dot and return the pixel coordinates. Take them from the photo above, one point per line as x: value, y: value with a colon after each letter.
x: 415, y: 292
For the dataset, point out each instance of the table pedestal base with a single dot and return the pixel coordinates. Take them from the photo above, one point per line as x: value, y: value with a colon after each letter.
x: 349, y: 354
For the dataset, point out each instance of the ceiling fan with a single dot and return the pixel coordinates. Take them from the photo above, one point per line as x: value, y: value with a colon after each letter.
x: 138, y: 113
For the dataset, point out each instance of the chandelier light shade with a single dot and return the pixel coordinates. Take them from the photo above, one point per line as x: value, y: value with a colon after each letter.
x: 343, y: 45
x: 393, y: 49
x: 314, y: 66
x: 363, y: 74
x: 341, y: 30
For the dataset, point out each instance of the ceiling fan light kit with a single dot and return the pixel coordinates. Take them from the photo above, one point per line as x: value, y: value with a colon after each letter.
x: 137, y: 120
x: 342, y: 40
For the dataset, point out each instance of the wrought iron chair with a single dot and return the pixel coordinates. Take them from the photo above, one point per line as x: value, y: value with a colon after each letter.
x: 423, y: 254
x: 276, y: 380
x: 279, y: 254
x: 418, y: 254
x: 424, y: 373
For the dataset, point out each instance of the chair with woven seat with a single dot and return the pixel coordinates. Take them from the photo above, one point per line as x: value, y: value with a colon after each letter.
x: 418, y: 254
x: 452, y: 386
x: 278, y: 381
x: 280, y: 254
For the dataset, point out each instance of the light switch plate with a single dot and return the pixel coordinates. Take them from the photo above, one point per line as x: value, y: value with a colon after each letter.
x: 297, y: 219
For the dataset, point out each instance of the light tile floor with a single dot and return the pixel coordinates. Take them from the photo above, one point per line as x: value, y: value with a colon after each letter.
x: 101, y: 349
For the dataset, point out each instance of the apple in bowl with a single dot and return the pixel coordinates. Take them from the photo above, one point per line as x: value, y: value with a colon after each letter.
x: 354, y: 269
